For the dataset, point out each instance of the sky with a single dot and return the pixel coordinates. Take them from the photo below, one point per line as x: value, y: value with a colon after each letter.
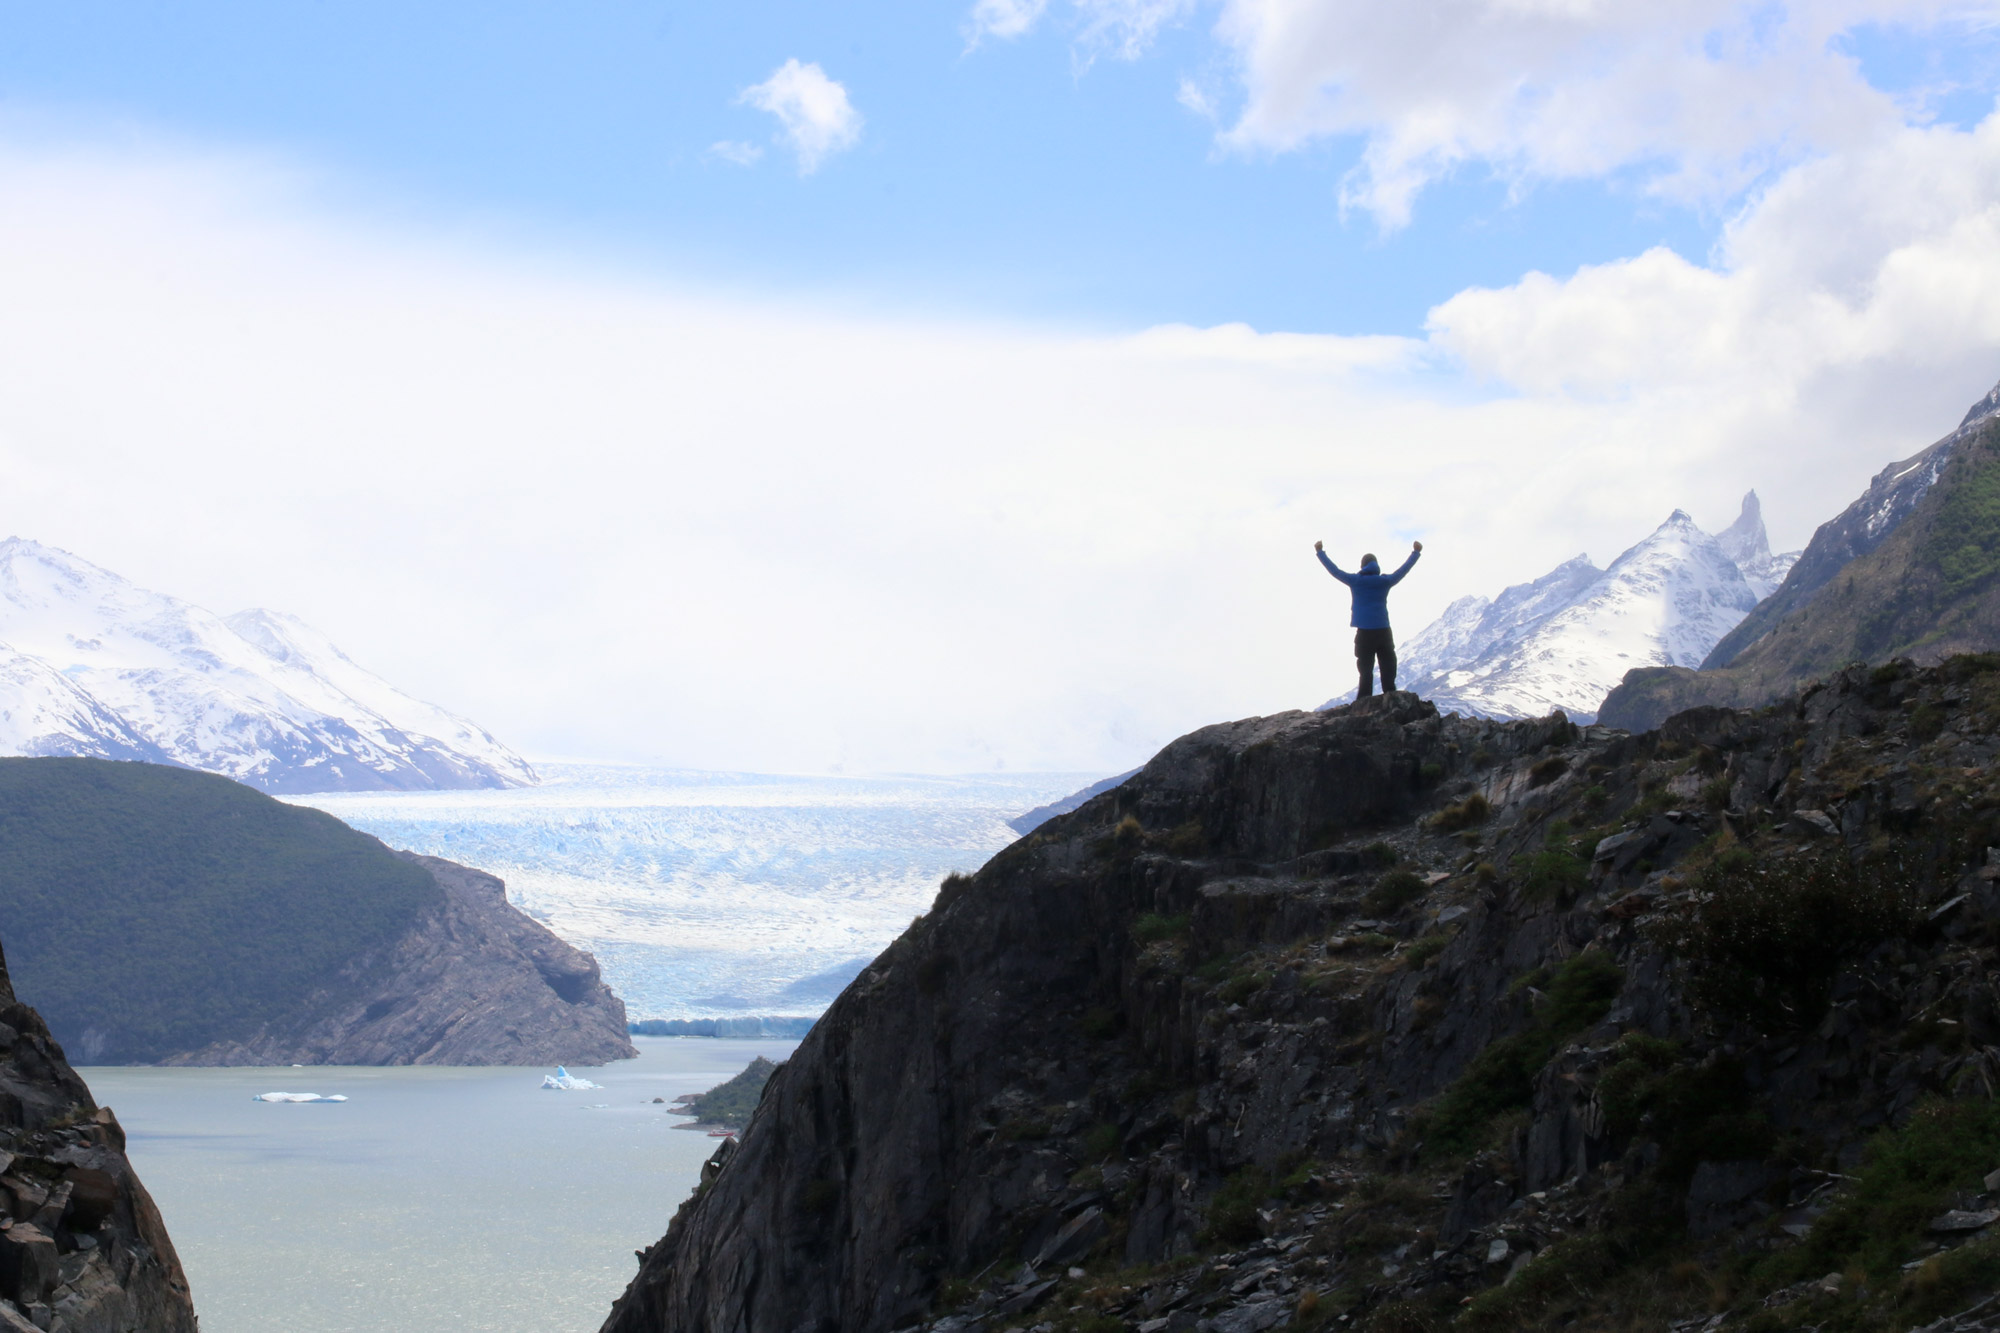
x: 962, y: 386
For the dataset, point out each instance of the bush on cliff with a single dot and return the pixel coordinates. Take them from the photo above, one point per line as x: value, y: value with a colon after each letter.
x: 148, y: 910
x: 1763, y: 942
x: 1501, y: 1078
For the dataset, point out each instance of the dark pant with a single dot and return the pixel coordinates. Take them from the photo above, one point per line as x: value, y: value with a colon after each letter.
x: 1372, y: 646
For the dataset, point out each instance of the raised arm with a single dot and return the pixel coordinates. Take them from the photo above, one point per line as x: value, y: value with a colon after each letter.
x: 1334, y: 569
x: 1397, y: 577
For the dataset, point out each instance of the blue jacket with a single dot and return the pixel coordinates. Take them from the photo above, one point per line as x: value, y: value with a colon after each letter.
x: 1371, y: 590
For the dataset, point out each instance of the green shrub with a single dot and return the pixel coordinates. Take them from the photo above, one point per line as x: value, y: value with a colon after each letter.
x: 1102, y: 1141
x: 1501, y: 1078
x: 1232, y: 1212
x: 1151, y: 927
x: 1927, y: 722
x: 1242, y: 986
x: 1715, y: 794
x: 1594, y: 795
x: 1765, y: 942
x: 1909, y: 1176
x: 1567, y: 1267
x: 1554, y: 875
x: 1699, y: 1110
x: 1101, y: 1024
x: 1430, y: 773
x: 1380, y: 853
x: 1420, y: 953
x: 1547, y: 771
x: 1392, y: 893
x: 1474, y: 809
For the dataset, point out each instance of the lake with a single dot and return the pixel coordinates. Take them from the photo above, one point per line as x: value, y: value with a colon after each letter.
x: 433, y: 1199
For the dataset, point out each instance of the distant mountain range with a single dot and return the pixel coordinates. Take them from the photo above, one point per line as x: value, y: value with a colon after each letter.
x: 1910, y: 569
x: 1564, y: 640
x: 95, y: 666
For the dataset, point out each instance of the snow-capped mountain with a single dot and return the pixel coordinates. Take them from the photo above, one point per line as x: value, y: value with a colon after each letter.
x: 91, y: 664
x: 1564, y: 640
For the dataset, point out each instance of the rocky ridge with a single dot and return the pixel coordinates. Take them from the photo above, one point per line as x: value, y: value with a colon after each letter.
x: 1565, y: 639
x: 1923, y: 581
x: 473, y: 981
x: 1892, y: 496
x: 1377, y: 1018
x: 82, y: 1248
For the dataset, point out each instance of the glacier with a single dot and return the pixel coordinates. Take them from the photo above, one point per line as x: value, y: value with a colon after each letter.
x: 722, y: 896
x: 92, y: 664
x: 1565, y: 639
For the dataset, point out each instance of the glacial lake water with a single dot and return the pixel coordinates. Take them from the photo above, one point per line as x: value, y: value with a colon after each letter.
x: 711, y: 894
x: 432, y: 1201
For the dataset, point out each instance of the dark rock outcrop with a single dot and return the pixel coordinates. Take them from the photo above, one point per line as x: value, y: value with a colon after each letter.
x: 82, y: 1248
x: 473, y: 981
x: 1194, y: 1058
x: 1027, y: 823
x: 1911, y: 569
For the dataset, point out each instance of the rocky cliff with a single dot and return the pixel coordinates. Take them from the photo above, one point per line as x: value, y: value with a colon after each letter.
x: 159, y: 915
x: 82, y: 1248
x: 472, y: 981
x: 1376, y: 1018
x: 1911, y: 568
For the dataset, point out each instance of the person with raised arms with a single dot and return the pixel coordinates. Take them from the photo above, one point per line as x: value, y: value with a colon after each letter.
x: 1373, y: 640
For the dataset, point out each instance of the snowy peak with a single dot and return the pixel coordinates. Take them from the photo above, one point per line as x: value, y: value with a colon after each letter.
x: 1565, y: 639
x: 94, y: 664
x: 1745, y: 540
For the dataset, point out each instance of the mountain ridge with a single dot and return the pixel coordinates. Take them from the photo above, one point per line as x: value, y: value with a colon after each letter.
x: 1564, y: 640
x: 93, y: 665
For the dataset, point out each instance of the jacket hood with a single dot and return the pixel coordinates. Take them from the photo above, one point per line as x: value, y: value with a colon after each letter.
x: 1370, y: 567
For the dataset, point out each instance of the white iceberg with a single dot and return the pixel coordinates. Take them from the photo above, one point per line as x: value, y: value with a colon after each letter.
x: 564, y: 1081
x: 296, y: 1097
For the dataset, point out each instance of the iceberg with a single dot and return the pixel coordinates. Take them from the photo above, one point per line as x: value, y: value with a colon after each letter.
x: 296, y: 1097
x: 564, y: 1081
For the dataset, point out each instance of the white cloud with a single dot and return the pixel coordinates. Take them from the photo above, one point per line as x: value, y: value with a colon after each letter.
x: 730, y: 150
x: 1700, y: 99
x: 1196, y: 99
x: 1125, y: 28
x: 813, y: 112
x: 1003, y: 18
x: 608, y: 516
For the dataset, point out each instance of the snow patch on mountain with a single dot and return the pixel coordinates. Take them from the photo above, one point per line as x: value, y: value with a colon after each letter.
x: 92, y: 664
x: 1565, y: 639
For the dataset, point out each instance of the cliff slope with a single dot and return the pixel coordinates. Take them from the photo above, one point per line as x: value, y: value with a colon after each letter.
x: 1373, y: 1018
x: 156, y: 914
x: 1891, y: 497
x: 82, y: 1248
x: 1927, y: 589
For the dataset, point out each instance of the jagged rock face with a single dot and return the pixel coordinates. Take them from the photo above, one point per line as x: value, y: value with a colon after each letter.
x: 1908, y: 570
x: 1892, y: 496
x: 1186, y: 1021
x: 82, y: 1247
x: 473, y: 981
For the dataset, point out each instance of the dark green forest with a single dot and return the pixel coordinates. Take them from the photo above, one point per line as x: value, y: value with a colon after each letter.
x: 148, y: 910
